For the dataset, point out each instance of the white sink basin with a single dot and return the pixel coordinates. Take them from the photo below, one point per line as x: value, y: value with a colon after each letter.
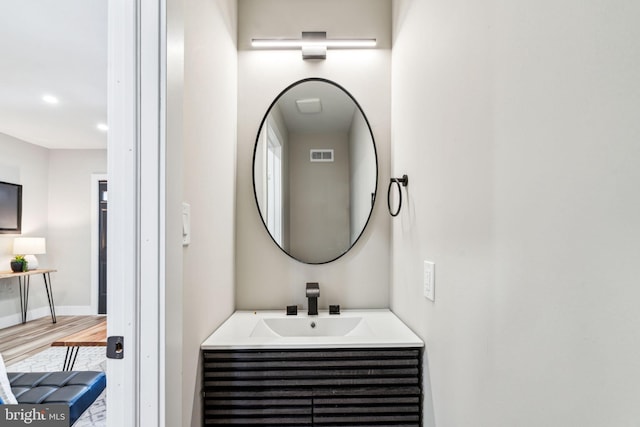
x: 311, y: 327
x: 275, y: 330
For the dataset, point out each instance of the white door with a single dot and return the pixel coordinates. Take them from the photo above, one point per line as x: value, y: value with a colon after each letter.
x: 136, y: 38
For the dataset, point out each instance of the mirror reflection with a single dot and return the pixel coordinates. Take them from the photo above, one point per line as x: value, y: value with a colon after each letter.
x: 315, y: 171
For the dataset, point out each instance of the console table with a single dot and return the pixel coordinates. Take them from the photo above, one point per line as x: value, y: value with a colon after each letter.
x: 23, y: 282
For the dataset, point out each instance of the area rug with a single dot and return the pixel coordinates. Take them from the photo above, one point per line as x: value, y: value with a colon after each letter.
x: 89, y: 359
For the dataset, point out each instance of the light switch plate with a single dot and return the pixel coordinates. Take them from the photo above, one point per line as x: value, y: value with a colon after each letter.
x: 429, y: 280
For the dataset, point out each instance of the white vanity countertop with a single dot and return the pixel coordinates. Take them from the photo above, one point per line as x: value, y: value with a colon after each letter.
x: 267, y: 329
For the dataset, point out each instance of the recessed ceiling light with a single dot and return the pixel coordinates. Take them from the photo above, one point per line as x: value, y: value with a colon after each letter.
x: 103, y: 127
x: 50, y: 99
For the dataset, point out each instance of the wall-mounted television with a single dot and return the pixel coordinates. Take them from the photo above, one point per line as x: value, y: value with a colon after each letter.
x: 10, y: 208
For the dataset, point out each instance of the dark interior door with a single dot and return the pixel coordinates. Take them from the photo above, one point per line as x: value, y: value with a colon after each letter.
x: 102, y: 250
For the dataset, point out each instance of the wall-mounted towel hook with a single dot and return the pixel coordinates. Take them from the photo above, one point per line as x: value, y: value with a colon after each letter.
x: 404, y: 181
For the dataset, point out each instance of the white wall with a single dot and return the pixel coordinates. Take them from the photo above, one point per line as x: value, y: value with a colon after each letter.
x: 174, y: 185
x: 361, y: 174
x: 26, y: 164
x: 339, y: 18
x: 69, y: 223
x: 57, y: 205
x: 265, y: 276
x: 209, y: 141
x: 319, y: 222
x: 516, y: 123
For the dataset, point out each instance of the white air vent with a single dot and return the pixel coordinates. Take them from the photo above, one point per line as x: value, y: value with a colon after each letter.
x: 309, y: 106
x: 321, y: 155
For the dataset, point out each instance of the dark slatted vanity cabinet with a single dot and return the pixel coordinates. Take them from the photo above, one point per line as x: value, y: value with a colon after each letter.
x: 369, y: 376
x: 342, y: 387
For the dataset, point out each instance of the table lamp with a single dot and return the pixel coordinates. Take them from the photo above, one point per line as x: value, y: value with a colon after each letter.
x: 30, y: 247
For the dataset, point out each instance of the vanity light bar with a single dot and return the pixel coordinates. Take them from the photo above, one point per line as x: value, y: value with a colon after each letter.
x: 298, y: 43
x: 313, y: 44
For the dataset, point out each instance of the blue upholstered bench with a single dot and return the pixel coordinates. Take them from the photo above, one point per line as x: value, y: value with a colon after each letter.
x: 78, y: 389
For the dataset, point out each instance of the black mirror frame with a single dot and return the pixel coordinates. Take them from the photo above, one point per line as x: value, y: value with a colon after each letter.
x: 255, y: 147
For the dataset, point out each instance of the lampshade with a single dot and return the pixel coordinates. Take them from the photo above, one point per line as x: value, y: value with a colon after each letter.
x: 29, y: 246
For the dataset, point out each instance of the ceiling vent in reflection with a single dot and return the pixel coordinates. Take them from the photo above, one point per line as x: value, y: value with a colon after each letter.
x: 309, y: 106
x: 321, y: 155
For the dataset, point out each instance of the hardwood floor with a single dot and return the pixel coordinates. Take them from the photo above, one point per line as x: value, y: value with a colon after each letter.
x: 21, y: 341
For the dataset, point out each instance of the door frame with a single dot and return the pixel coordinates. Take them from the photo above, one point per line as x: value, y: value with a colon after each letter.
x: 136, y: 140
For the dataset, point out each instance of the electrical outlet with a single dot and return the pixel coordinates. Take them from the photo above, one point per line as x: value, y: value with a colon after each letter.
x: 429, y: 280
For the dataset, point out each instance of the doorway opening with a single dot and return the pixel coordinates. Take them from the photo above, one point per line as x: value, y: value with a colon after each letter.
x: 274, y: 184
x: 102, y: 247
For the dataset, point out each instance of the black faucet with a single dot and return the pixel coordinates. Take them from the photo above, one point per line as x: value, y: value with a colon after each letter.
x: 313, y: 292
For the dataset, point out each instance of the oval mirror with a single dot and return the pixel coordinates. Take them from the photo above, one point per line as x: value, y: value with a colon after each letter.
x: 315, y: 171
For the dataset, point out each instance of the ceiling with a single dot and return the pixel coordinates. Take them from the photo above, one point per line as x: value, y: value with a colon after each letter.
x: 337, y: 108
x: 59, y: 48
